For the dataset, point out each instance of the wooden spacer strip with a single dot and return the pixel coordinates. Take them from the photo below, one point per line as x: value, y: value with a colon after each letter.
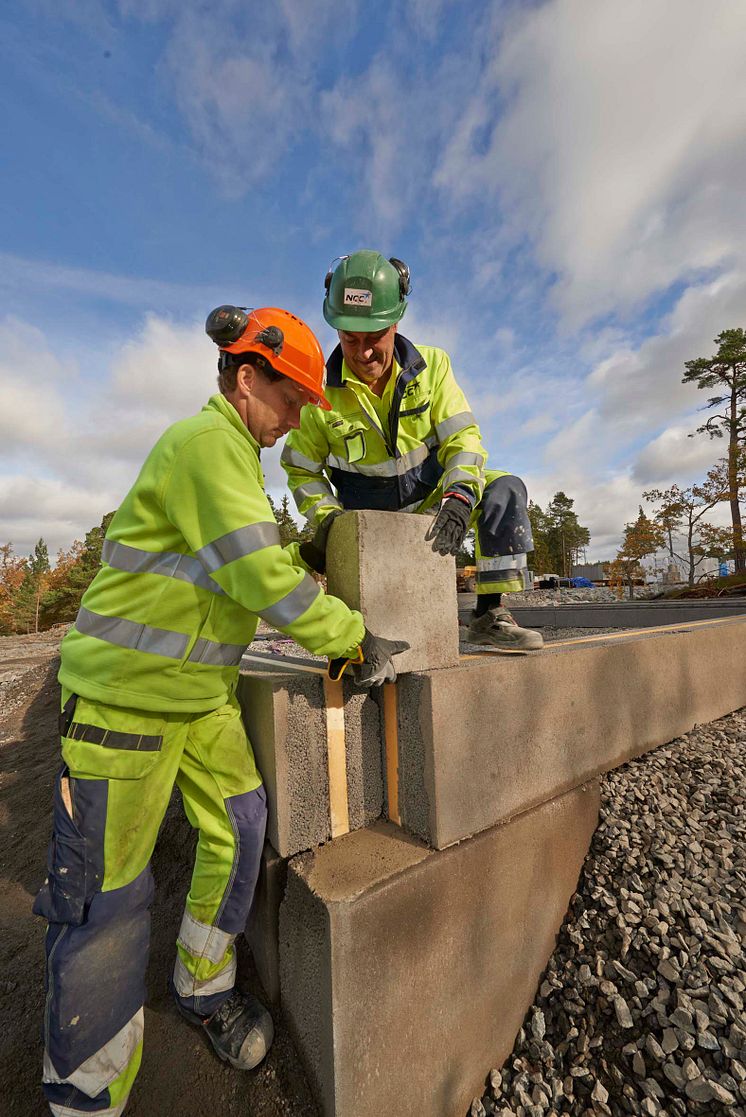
x: 391, y: 736
x: 339, y: 811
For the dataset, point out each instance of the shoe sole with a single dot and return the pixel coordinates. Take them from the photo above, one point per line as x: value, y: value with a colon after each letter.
x: 503, y: 649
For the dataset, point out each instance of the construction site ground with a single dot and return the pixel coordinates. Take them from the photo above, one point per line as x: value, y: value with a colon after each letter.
x: 180, y: 1074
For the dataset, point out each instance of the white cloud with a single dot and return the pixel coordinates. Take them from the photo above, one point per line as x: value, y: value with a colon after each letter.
x: 621, y: 150
x: 676, y: 458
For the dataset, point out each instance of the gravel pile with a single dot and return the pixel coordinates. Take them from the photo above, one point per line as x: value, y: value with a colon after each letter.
x: 596, y: 595
x: 641, y: 1008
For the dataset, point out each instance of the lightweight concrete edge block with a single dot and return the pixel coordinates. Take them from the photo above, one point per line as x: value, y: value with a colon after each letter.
x: 286, y: 722
x: 406, y: 973
x: 498, y: 735
x: 262, y: 929
x: 381, y: 564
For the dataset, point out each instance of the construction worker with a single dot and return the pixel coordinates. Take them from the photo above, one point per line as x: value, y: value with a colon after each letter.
x: 400, y: 437
x: 149, y: 672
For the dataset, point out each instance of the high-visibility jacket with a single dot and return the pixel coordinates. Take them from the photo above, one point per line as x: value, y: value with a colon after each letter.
x: 190, y: 561
x: 397, y: 453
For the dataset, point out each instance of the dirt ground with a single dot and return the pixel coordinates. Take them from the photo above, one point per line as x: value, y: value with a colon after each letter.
x: 180, y: 1075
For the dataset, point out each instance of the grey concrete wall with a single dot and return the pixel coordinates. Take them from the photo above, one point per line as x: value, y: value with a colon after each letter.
x: 285, y: 718
x: 498, y: 735
x: 380, y: 563
x: 626, y: 614
x: 406, y: 972
x: 262, y: 929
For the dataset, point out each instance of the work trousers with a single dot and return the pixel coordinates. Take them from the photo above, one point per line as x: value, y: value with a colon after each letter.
x: 503, y: 534
x: 119, y: 768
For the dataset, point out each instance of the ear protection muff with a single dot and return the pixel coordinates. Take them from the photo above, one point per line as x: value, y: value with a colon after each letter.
x: 331, y: 270
x: 402, y: 270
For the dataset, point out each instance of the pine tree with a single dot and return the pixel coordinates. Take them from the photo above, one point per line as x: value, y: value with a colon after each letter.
x: 726, y: 373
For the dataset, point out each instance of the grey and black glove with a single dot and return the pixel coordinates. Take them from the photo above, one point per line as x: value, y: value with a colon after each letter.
x: 450, y: 526
x: 313, y: 551
x: 372, y: 664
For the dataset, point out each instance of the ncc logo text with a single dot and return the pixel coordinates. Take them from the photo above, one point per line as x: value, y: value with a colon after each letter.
x: 354, y: 297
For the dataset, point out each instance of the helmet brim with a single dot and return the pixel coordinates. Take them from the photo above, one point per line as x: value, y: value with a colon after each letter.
x: 353, y: 323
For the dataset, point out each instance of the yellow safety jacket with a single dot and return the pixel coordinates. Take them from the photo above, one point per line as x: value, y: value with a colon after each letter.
x: 190, y: 561
x: 397, y: 453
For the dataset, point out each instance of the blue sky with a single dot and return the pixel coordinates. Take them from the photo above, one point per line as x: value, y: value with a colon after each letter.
x: 564, y: 180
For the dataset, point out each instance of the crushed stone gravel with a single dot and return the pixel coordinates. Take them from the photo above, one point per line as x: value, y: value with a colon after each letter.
x: 641, y: 1007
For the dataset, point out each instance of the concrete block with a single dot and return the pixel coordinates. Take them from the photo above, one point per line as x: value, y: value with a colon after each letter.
x: 497, y: 735
x: 406, y: 973
x: 262, y: 929
x: 380, y: 563
x: 318, y: 748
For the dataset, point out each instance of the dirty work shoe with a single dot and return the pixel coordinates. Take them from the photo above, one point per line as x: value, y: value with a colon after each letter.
x: 499, y: 628
x: 241, y: 1031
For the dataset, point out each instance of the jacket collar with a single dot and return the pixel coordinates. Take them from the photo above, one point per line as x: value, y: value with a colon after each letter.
x: 407, y: 356
x: 219, y: 403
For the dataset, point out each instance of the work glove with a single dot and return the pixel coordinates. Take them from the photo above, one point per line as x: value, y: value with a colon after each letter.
x: 450, y: 526
x: 313, y: 551
x: 371, y: 664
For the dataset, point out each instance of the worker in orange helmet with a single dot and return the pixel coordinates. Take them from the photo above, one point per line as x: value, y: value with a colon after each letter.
x: 191, y: 560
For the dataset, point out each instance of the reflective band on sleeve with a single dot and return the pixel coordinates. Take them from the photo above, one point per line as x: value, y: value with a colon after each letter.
x: 217, y: 655
x: 169, y: 564
x: 100, y: 1069
x: 465, y: 458
x: 503, y: 562
x: 112, y: 738
x: 454, y: 424
x: 294, y: 457
x: 315, y: 488
x: 454, y: 475
x: 188, y: 986
x: 293, y: 605
x: 235, y: 544
x: 130, y: 634
x: 201, y: 940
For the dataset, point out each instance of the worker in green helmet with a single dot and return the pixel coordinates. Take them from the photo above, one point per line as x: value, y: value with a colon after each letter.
x: 192, y: 559
x: 400, y: 436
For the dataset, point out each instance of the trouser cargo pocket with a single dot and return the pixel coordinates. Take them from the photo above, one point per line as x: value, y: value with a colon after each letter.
x: 62, y: 896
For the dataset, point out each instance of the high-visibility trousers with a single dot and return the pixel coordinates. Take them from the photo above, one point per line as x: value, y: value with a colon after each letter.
x: 503, y: 534
x: 119, y: 769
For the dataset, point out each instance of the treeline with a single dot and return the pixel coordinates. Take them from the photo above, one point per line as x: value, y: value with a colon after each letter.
x: 34, y: 596
x: 679, y: 521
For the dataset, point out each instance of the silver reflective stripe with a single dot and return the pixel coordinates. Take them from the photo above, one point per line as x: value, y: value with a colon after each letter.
x: 217, y: 655
x: 235, y: 544
x: 455, y: 424
x: 100, y: 1069
x: 188, y: 986
x: 315, y: 488
x: 454, y: 475
x: 465, y: 459
x: 201, y: 940
x: 169, y: 564
x: 65, y: 1111
x: 379, y: 469
x: 503, y: 563
x: 293, y: 605
x: 130, y: 634
x: 393, y: 467
x: 294, y: 457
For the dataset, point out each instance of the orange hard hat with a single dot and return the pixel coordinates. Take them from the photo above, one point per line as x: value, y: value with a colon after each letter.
x: 285, y: 342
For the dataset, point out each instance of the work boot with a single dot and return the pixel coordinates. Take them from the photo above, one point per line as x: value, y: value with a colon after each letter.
x: 499, y: 628
x: 241, y: 1031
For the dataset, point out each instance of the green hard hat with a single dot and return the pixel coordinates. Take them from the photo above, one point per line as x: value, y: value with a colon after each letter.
x: 366, y: 292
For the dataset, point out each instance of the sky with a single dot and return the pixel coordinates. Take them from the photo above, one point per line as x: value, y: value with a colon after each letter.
x: 564, y: 179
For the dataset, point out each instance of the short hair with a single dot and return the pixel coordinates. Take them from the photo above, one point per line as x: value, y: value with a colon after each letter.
x: 228, y: 373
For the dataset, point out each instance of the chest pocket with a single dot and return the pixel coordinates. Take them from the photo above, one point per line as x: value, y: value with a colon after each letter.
x: 354, y: 446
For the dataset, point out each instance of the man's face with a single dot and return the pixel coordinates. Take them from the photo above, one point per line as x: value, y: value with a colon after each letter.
x: 369, y: 355
x: 272, y: 408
